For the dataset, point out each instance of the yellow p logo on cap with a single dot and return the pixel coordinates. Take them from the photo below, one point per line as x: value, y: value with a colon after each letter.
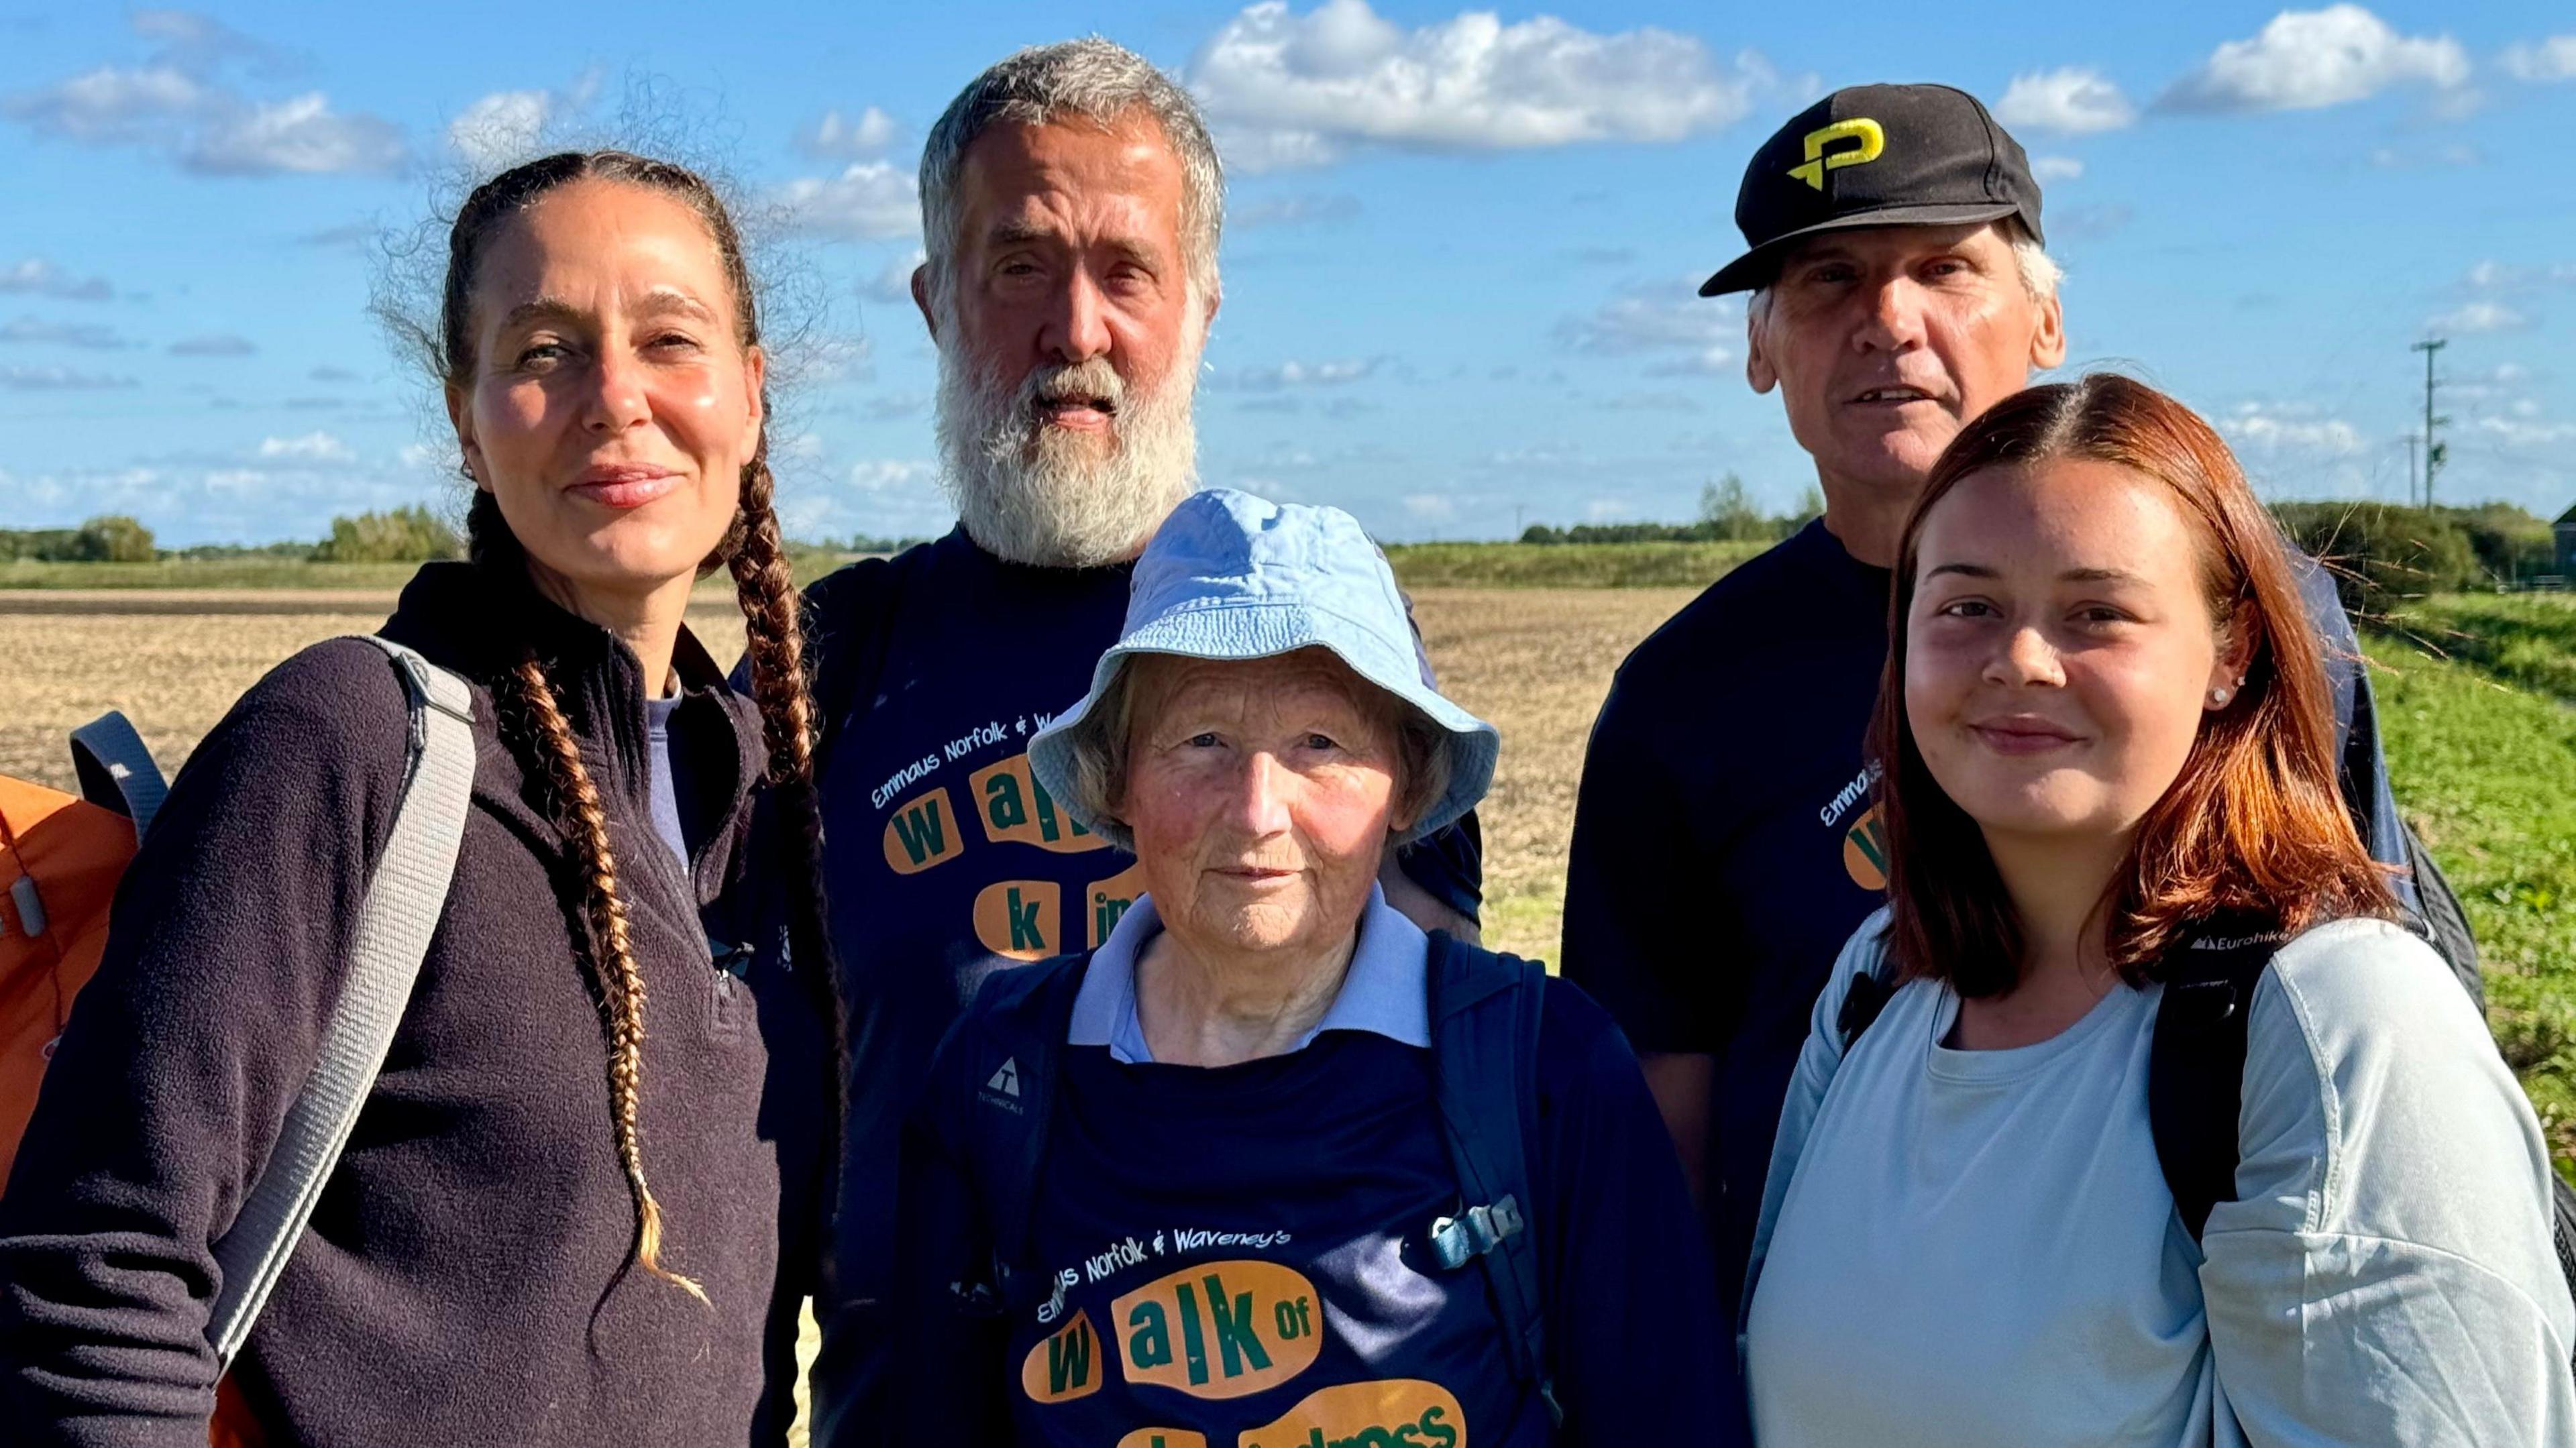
x: 1870, y: 139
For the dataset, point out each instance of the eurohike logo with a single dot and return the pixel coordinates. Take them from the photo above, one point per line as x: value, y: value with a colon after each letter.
x: 1868, y: 142
x: 1003, y: 1088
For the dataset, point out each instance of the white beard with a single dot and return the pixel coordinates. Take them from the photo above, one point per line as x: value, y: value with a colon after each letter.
x: 1035, y: 494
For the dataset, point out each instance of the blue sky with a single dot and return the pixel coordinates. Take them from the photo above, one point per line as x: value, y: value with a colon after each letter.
x: 1458, y: 266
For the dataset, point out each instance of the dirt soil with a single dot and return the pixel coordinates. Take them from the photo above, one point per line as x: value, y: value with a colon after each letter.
x: 1534, y: 661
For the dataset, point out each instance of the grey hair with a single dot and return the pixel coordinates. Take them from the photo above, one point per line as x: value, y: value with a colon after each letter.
x: 1101, y: 82
x: 2040, y: 273
x: 1100, y: 744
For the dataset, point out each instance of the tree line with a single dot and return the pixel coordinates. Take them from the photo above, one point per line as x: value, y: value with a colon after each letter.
x: 399, y: 535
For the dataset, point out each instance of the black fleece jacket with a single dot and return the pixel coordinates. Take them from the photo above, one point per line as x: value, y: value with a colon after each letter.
x: 464, y: 1278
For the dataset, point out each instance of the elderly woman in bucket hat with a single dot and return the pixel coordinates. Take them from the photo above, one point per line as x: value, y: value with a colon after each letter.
x: 1271, y: 1166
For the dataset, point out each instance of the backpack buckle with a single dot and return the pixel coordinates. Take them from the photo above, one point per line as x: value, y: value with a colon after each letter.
x: 1459, y: 1240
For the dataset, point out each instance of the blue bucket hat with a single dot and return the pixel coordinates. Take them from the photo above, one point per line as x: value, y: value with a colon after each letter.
x: 1232, y: 576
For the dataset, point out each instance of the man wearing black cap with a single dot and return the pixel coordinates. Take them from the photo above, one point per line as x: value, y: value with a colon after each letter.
x: 1726, y: 842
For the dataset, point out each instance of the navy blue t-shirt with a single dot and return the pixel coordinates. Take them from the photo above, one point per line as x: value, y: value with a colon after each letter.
x: 944, y: 860
x: 1726, y: 838
x: 1241, y: 1256
x: 1234, y: 1258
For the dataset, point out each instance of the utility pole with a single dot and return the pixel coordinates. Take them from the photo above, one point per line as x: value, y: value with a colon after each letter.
x: 2434, y: 451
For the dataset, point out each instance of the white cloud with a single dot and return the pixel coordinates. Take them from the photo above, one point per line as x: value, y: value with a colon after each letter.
x: 1291, y: 375
x: 38, y: 277
x: 2521, y: 432
x: 2479, y: 316
x: 881, y: 475
x: 2071, y: 101
x: 2493, y: 276
x: 870, y: 201
x: 893, y: 282
x: 2056, y: 168
x: 177, y: 104
x: 312, y: 447
x: 97, y: 336
x: 1285, y: 89
x: 1431, y: 507
x: 863, y: 139
x: 2412, y: 156
x: 2276, y: 429
x: 219, y: 344
x: 1688, y: 333
x: 301, y: 135
x: 2308, y: 59
x: 59, y: 379
x: 2545, y: 60
x: 500, y: 128
x: 111, y: 105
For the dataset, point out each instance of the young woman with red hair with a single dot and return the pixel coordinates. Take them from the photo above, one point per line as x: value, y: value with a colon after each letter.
x: 2106, y: 745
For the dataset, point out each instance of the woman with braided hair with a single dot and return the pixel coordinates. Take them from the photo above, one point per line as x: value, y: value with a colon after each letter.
x: 559, y: 1219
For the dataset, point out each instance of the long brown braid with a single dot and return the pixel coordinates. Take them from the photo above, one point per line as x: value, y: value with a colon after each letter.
x: 536, y: 726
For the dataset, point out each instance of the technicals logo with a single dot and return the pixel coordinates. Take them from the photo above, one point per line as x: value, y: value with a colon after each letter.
x: 1003, y: 1087
x: 1868, y: 140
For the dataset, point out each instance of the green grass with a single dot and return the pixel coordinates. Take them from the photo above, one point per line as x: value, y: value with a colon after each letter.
x: 1565, y: 565
x: 2488, y: 775
x: 2524, y: 639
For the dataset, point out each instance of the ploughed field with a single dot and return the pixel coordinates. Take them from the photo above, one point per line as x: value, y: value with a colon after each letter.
x: 2482, y: 743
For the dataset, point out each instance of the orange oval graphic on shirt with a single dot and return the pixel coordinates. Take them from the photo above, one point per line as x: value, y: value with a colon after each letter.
x: 1394, y: 1413
x: 1163, y: 1438
x: 1016, y: 808
x: 1066, y: 1366
x: 1220, y: 1329
x: 922, y: 832
x: 1021, y: 919
x: 1106, y: 900
x: 1865, y: 850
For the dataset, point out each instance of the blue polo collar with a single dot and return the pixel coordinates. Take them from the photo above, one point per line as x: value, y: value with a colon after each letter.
x: 1386, y: 990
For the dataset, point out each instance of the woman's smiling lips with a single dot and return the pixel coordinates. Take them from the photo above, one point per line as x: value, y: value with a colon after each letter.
x: 624, y: 485
x: 1256, y: 879
x: 2022, y: 734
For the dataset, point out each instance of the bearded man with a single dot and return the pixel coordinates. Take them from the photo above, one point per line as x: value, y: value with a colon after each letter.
x: 1071, y: 206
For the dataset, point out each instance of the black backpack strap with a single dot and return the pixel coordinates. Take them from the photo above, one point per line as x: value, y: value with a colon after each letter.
x: 116, y: 771
x: 2439, y: 919
x: 1871, y: 989
x: 2196, y: 1066
x: 1010, y: 1045
x: 1485, y: 1011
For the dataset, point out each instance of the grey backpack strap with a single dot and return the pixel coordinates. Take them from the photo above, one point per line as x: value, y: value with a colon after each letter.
x: 404, y: 898
x: 116, y: 771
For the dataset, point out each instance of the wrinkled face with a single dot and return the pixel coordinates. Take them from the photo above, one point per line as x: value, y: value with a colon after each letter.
x: 1069, y: 348
x: 2060, y: 647
x: 1885, y: 341
x: 1261, y: 793
x: 611, y: 411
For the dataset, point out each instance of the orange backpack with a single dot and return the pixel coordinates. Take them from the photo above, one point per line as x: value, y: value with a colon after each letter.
x: 60, y: 860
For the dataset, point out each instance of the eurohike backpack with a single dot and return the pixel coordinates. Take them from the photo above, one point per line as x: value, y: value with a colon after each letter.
x: 1484, y: 1044
x: 60, y: 860
x: 2196, y: 1071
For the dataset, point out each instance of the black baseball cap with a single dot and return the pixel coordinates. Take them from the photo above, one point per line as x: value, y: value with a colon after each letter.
x: 1876, y: 155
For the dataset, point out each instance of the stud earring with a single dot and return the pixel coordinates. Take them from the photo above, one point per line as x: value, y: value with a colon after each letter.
x: 2220, y: 695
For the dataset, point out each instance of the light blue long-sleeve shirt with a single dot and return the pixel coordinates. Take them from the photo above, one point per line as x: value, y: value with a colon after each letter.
x: 1978, y: 1247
